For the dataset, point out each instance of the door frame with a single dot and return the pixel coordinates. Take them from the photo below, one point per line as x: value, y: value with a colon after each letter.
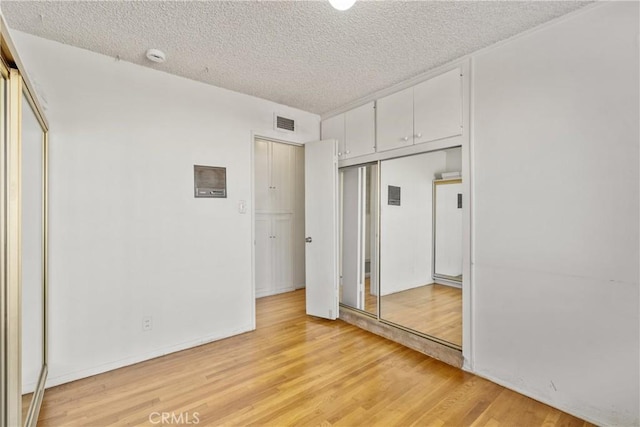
x: 272, y: 136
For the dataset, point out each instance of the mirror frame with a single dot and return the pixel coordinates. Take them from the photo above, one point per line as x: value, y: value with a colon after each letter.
x: 375, y: 243
x: 38, y: 393
x: 17, y: 86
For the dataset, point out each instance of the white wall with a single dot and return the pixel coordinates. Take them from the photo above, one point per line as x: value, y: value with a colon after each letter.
x: 128, y: 239
x: 454, y: 160
x: 406, y: 231
x: 555, y: 268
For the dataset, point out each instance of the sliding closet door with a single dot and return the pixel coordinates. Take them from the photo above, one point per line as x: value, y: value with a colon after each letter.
x: 33, y: 228
x: 4, y: 412
x: 24, y: 230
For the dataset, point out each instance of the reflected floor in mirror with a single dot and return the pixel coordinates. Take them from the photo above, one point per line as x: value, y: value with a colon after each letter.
x: 370, y: 301
x: 433, y: 309
x: 26, y: 401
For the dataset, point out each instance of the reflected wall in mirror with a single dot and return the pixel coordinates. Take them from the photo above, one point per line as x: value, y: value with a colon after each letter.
x: 411, y: 294
x: 32, y: 254
x: 358, y: 224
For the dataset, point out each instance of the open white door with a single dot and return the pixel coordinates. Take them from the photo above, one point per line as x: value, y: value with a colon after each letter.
x: 321, y: 227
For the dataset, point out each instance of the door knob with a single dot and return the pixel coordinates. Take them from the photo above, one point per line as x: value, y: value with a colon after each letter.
x: 308, y: 240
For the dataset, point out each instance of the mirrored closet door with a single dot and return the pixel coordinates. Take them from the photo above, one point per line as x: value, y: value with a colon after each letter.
x: 33, y: 256
x: 358, y: 231
x: 421, y: 244
x: 23, y: 237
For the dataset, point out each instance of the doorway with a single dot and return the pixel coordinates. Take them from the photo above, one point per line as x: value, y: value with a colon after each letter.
x: 279, y: 220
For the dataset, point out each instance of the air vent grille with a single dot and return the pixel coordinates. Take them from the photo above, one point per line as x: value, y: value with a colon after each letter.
x: 284, y: 123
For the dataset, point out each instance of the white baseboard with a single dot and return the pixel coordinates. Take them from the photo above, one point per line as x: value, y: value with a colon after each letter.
x: 100, y: 369
x: 275, y: 292
x: 570, y: 411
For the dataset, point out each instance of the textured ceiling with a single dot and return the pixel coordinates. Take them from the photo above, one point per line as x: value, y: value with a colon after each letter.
x: 301, y: 53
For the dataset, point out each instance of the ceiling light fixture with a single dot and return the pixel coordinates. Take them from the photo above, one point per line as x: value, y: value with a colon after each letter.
x: 342, y: 4
x: 156, y: 55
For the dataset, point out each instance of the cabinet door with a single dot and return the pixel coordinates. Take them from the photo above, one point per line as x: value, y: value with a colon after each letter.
x: 360, y: 132
x: 333, y: 128
x: 282, y: 176
x: 395, y: 120
x: 282, y: 260
x: 438, y: 107
x: 262, y: 177
x: 263, y: 256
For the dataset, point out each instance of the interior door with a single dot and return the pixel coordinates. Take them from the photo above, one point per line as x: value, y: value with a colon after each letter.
x: 321, y: 226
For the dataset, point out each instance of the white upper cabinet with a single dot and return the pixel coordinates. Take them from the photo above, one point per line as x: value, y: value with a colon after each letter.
x: 282, y: 177
x: 355, y: 131
x: 262, y: 159
x: 360, y: 131
x: 274, y: 176
x: 426, y: 112
x: 333, y: 128
x: 395, y: 120
x: 438, y: 107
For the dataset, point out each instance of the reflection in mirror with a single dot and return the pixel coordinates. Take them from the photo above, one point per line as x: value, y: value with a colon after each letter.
x: 447, y: 228
x: 358, y: 220
x: 32, y: 254
x: 412, y: 294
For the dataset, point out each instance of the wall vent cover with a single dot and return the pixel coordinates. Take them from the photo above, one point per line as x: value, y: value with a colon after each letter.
x: 393, y: 195
x: 284, y: 123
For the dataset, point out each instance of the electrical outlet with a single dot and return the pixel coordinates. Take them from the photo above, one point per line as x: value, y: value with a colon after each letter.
x: 147, y: 323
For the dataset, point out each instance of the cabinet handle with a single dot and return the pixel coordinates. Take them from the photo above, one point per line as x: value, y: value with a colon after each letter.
x: 339, y: 154
x: 418, y: 135
x: 406, y: 138
x: 348, y: 151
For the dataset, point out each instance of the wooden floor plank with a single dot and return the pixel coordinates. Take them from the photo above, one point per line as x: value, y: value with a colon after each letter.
x: 295, y: 370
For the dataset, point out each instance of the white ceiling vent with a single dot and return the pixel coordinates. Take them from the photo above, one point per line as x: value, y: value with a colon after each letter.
x: 284, y: 123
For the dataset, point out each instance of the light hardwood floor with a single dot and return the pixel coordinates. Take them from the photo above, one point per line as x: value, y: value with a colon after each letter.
x: 433, y: 309
x: 295, y: 370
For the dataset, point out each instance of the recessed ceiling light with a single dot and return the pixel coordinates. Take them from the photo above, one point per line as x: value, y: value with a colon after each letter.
x: 156, y: 55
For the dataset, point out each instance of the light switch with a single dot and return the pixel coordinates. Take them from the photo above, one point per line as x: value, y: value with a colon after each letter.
x: 242, y: 206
